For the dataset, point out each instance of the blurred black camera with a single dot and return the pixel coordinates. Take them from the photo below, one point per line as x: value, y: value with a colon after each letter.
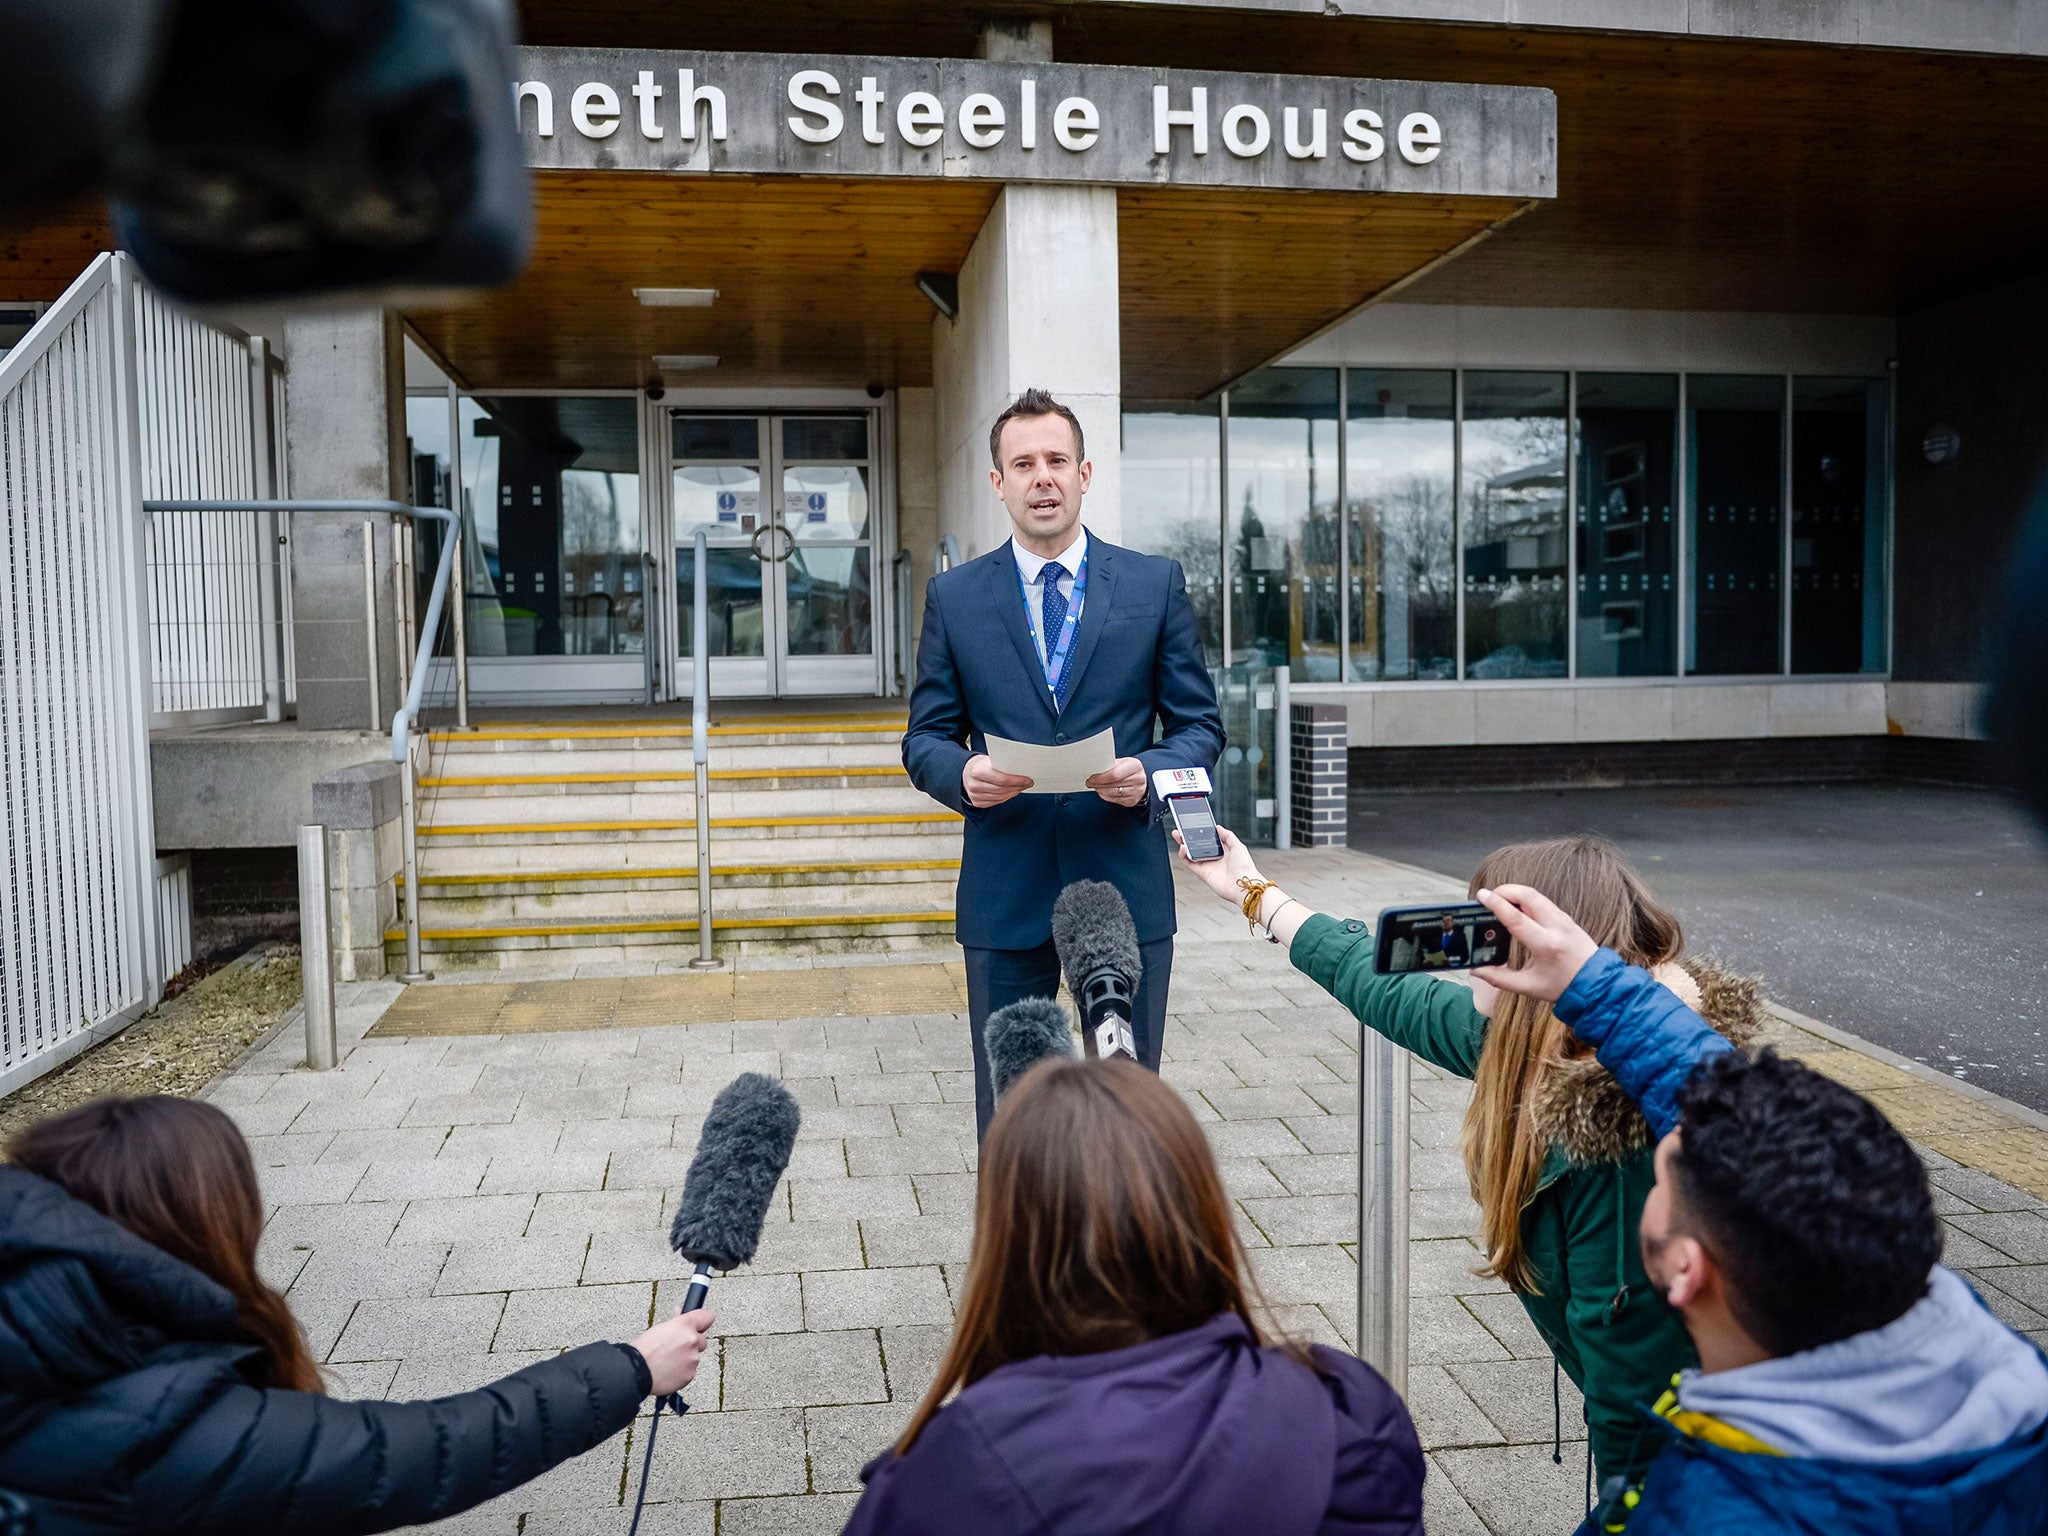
x: 276, y: 149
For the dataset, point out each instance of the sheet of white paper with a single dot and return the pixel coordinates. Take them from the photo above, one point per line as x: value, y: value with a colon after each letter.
x: 1054, y: 770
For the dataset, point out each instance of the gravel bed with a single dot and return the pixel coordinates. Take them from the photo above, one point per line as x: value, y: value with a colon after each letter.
x: 179, y: 1047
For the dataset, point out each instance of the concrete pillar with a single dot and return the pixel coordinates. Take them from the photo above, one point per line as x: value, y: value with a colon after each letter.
x: 1039, y: 308
x: 345, y: 435
x: 359, y: 807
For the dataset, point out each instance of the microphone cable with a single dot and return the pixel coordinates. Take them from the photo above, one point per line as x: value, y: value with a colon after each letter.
x: 673, y: 1403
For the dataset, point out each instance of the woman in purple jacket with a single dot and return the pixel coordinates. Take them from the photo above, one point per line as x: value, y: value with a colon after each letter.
x: 1111, y: 1375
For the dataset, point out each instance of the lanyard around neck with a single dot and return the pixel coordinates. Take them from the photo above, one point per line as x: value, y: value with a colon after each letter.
x: 1054, y: 652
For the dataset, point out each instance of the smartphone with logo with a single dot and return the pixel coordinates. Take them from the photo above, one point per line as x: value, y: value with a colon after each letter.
x: 1186, y: 793
x: 1454, y: 936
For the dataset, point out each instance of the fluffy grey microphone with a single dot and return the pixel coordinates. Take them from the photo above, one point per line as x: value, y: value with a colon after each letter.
x: 741, y: 1153
x: 1022, y: 1035
x: 1098, y: 949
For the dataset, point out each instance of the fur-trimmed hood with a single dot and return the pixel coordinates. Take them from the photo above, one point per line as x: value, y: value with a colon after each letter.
x: 1581, y: 1108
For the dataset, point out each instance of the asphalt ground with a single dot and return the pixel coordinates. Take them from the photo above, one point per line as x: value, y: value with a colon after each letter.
x: 1915, y: 916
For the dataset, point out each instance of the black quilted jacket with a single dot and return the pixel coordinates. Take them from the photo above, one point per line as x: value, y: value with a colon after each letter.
x: 125, y: 1403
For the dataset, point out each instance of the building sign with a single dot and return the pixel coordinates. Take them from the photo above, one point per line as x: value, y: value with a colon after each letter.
x: 789, y: 114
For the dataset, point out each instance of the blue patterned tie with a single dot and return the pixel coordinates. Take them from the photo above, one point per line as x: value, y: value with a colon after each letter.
x: 1052, y: 608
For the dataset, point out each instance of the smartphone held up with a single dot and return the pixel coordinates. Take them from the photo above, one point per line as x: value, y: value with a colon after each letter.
x: 1454, y: 937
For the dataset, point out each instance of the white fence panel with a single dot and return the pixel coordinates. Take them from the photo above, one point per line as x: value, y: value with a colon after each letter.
x: 173, y: 914
x: 213, y: 575
x: 77, y: 910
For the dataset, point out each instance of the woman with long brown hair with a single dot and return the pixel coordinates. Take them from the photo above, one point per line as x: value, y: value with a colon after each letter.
x: 150, y: 1380
x: 1111, y: 1369
x: 1558, y: 1157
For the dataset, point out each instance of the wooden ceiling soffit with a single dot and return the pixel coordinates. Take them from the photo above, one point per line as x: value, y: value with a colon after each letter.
x: 816, y: 282
x: 1214, y: 286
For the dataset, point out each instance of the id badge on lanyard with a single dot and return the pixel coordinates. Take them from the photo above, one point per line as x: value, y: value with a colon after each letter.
x: 1057, y: 650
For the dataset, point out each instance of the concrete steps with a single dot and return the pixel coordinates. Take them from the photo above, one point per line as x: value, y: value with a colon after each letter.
x: 543, y: 844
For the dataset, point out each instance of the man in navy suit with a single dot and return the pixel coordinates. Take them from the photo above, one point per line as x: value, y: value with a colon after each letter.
x: 1052, y: 638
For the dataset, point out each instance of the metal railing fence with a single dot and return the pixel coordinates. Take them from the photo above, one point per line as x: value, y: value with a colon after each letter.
x: 218, y: 579
x: 80, y: 954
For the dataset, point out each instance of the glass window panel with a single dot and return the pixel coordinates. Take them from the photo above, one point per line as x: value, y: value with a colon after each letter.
x: 735, y: 621
x: 430, y: 458
x: 551, y: 513
x: 722, y: 499
x: 1838, y: 525
x: 825, y: 503
x: 1735, y: 471
x: 717, y: 437
x: 831, y: 605
x: 1513, y: 465
x: 1172, y: 501
x: 1399, y: 450
x: 1283, y: 522
x: 1627, y: 446
x: 825, y: 437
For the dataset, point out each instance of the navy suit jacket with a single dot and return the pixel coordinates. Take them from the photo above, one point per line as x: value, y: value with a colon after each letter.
x: 1137, y: 669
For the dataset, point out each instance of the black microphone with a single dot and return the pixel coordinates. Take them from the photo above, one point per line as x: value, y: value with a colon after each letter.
x: 741, y: 1154
x: 1098, y: 949
x: 1022, y: 1035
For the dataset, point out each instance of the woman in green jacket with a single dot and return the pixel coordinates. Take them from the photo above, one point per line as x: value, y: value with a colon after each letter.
x: 1558, y: 1157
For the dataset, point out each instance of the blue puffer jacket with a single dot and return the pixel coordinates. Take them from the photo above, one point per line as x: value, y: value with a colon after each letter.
x: 126, y: 1403
x: 1882, y: 1391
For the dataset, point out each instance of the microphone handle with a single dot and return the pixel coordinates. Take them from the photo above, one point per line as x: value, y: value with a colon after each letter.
x: 700, y: 1287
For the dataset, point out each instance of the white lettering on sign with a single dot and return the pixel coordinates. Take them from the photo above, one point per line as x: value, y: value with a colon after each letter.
x: 1246, y: 132
x: 1318, y: 145
x: 1420, y: 135
x: 648, y: 95
x: 921, y: 119
x: 1362, y: 139
x: 1194, y: 118
x: 543, y: 101
x: 594, y: 109
x: 762, y: 114
x: 1076, y: 124
x: 981, y: 120
x: 811, y: 92
x: 688, y: 95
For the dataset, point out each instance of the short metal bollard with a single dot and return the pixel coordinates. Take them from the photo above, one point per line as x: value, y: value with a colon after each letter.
x: 1383, y: 1208
x: 316, y: 949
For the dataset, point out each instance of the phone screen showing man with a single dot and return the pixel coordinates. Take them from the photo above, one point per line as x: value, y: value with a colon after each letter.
x: 1197, y: 824
x: 1438, y: 938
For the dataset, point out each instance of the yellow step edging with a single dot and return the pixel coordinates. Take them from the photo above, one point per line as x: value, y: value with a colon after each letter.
x: 719, y: 775
x: 809, y: 726
x: 523, y: 877
x: 547, y: 930
x: 504, y: 829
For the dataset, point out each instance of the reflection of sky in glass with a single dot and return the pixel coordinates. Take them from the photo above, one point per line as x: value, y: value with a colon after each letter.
x: 1514, y: 525
x: 1283, y: 526
x: 1399, y: 457
x: 1171, y: 505
x: 700, y: 490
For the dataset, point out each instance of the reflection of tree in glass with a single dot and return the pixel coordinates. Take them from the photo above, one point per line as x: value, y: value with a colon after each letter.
x: 1415, y: 532
x: 1516, y: 468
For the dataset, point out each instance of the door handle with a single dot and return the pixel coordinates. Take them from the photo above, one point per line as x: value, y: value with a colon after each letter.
x: 768, y: 531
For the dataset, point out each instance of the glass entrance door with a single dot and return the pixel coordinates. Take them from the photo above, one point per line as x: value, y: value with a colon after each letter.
x: 787, y: 502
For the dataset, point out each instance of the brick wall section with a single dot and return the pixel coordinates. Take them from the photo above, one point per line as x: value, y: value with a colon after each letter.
x: 1320, y: 774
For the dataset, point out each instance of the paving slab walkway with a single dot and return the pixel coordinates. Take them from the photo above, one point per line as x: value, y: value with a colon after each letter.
x: 448, y: 1207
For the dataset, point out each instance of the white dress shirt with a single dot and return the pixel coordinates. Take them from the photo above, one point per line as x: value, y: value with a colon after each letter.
x: 1032, y: 568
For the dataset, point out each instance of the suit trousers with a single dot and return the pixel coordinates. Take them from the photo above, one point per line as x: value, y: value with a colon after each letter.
x: 997, y: 978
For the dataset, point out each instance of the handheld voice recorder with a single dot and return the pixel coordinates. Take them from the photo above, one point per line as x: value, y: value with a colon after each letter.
x: 1186, y: 793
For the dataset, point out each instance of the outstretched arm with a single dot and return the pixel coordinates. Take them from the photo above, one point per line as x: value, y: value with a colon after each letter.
x: 1639, y: 1029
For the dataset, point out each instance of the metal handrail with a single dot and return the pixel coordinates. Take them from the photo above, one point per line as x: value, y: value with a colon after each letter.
x: 946, y: 554
x: 700, y: 740
x: 415, y: 693
x: 899, y: 566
